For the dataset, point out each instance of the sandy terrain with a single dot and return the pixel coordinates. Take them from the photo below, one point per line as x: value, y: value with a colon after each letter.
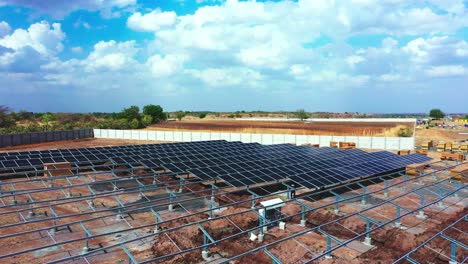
x: 440, y: 135
x: 283, y: 127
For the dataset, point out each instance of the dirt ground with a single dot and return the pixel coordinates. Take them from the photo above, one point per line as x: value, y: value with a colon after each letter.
x: 440, y: 135
x: 284, y: 127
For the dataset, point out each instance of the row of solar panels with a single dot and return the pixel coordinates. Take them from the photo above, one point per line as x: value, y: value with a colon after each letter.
x: 298, y: 164
x: 80, y: 157
x: 365, y: 168
x: 238, y: 163
x: 258, y: 160
x: 167, y: 147
x: 218, y: 150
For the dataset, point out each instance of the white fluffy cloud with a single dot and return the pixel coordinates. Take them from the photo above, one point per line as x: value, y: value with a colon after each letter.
x: 257, y: 45
x: 27, y: 49
x: 111, y: 56
x: 152, y: 21
x: 228, y: 77
x: 167, y: 65
x: 40, y: 36
x: 447, y: 70
x: 4, y: 28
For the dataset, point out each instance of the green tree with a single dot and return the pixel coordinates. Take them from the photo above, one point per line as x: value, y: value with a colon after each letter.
x: 147, y: 120
x: 436, y: 113
x: 179, y: 115
x: 25, y: 115
x: 133, y: 112
x: 202, y: 115
x: 46, y: 118
x: 156, y: 112
x: 302, y: 114
x: 5, y: 119
x: 134, y: 124
x: 121, y: 123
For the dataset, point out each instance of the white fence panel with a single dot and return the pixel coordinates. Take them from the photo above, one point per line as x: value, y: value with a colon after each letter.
x: 215, y: 136
x: 196, y: 136
x: 301, y: 139
x: 246, y: 138
x: 279, y: 139
x: 127, y: 134
x: 364, y: 142
x: 378, y: 142
x: 235, y: 137
x: 391, y: 143
x: 151, y: 135
x: 407, y: 143
x: 338, y: 138
x: 119, y: 133
x: 186, y: 136
x: 312, y: 139
x: 168, y: 136
x: 325, y: 141
x: 351, y: 139
x: 177, y: 136
x: 160, y: 135
x: 267, y: 139
x: 204, y: 136
x: 290, y: 139
x: 256, y: 138
x: 225, y: 136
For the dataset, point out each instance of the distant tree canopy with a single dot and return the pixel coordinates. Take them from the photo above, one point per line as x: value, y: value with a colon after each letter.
x: 133, y: 112
x: 202, y: 115
x: 131, y: 117
x: 302, y: 114
x: 147, y: 120
x: 179, y: 115
x: 156, y: 112
x: 436, y: 113
x: 5, y: 119
x: 46, y: 118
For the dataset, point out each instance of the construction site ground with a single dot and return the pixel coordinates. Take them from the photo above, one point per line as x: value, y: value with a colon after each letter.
x: 387, y: 244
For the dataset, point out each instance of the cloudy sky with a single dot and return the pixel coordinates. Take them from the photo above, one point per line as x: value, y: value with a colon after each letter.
x: 335, y: 55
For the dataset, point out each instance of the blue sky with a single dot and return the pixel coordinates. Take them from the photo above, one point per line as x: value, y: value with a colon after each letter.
x: 320, y: 55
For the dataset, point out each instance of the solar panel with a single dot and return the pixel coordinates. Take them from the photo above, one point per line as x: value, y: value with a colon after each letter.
x: 237, y: 163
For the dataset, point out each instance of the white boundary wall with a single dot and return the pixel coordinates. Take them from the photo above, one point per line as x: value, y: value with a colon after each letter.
x: 389, y: 143
x: 344, y: 120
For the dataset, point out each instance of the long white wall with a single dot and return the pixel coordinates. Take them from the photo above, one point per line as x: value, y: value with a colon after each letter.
x: 389, y: 143
x: 344, y: 120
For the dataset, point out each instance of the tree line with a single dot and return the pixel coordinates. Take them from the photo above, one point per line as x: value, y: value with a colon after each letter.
x: 128, y: 118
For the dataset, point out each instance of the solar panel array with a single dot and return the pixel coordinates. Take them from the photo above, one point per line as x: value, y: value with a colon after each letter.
x: 237, y: 163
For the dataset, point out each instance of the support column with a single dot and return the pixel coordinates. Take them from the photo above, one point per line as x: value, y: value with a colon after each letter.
x: 171, y: 200
x: 386, y: 188
x: 181, y: 184
x: 453, y: 253
x: 303, y: 221
x: 337, y: 205
x: 328, y: 255
x: 205, y: 253
x: 421, y: 214
x: 363, y: 200
x: 368, y: 239
x: 398, y: 222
